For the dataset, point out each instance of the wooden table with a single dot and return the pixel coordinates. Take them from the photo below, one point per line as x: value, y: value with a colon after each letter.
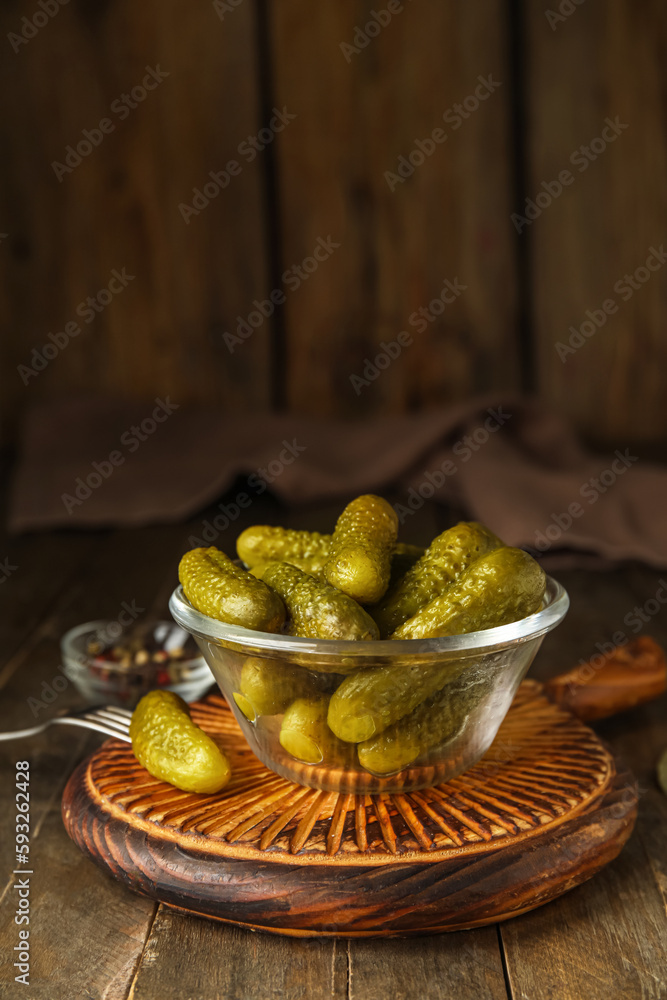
x: 92, y: 938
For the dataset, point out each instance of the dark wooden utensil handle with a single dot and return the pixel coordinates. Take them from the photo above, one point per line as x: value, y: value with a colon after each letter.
x: 609, y: 683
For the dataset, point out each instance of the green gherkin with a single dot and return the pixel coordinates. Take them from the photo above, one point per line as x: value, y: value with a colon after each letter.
x: 445, y: 560
x: 309, y: 550
x: 268, y: 686
x: 305, y: 735
x: 172, y: 748
x: 368, y: 701
x: 403, y: 559
x: 359, y: 562
x: 501, y: 587
x: 432, y: 724
x: 316, y: 610
x: 219, y: 589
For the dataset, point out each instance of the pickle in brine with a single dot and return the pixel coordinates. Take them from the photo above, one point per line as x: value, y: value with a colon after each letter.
x: 309, y: 550
x: 403, y: 558
x: 316, y: 609
x: 368, y: 701
x: 172, y: 748
x: 501, y: 587
x: 432, y: 724
x: 359, y: 561
x: 445, y: 560
x: 305, y: 735
x: 267, y: 687
x: 219, y: 589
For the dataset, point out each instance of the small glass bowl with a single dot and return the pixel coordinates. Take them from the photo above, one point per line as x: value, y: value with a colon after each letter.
x: 471, y: 681
x: 110, y: 682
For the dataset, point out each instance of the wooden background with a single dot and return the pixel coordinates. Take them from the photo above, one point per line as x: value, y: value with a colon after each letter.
x: 229, y: 64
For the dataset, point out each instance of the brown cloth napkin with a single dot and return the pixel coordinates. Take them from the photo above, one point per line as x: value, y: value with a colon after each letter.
x: 510, y: 463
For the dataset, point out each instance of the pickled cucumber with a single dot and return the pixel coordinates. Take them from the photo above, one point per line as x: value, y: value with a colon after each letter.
x: 219, y: 589
x: 403, y: 558
x: 500, y: 587
x: 309, y: 550
x: 305, y: 735
x: 172, y: 748
x: 445, y: 560
x: 432, y: 724
x: 368, y: 701
x: 316, y: 610
x: 359, y: 562
x: 268, y: 686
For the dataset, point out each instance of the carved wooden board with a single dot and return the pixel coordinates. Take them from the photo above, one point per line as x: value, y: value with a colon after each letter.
x: 545, y: 809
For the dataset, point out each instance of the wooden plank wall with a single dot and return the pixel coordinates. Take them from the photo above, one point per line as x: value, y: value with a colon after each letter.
x: 357, y: 95
x: 119, y: 208
x: 606, y: 60
x: 401, y: 237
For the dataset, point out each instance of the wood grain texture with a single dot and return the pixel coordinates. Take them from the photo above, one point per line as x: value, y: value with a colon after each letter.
x: 185, y: 956
x: 615, y: 681
x: 120, y: 207
x: 202, y: 960
x: 605, y: 61
x: 108, y: 949
x: 356, y: 116
x: 89, y: 933
x: 606, y: 940
x: 603, y: 948
x: 543, y: 811
x: 112, y: 926
x: 177, y: 963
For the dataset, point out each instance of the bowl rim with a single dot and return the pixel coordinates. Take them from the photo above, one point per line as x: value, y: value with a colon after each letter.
x: 523, y: 630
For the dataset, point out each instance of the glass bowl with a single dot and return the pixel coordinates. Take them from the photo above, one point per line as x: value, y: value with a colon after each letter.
x: 445, y: 698
x: 157, y: 662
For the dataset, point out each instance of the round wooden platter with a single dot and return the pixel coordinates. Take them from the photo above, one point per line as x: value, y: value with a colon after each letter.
x: 545, y: 809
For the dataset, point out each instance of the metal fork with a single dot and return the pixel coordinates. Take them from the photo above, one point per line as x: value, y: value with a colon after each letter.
x: 108, y: 719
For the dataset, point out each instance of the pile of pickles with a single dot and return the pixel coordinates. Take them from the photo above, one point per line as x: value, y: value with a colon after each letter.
x: 360, y: 583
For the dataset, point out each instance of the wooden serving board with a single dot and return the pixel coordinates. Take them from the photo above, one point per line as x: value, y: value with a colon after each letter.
x: 543, y: 811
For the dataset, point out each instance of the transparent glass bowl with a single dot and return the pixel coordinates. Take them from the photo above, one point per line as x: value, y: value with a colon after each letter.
x: 470, y: 679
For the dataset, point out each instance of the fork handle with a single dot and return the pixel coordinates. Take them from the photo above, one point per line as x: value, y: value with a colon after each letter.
x: 20, y: 733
